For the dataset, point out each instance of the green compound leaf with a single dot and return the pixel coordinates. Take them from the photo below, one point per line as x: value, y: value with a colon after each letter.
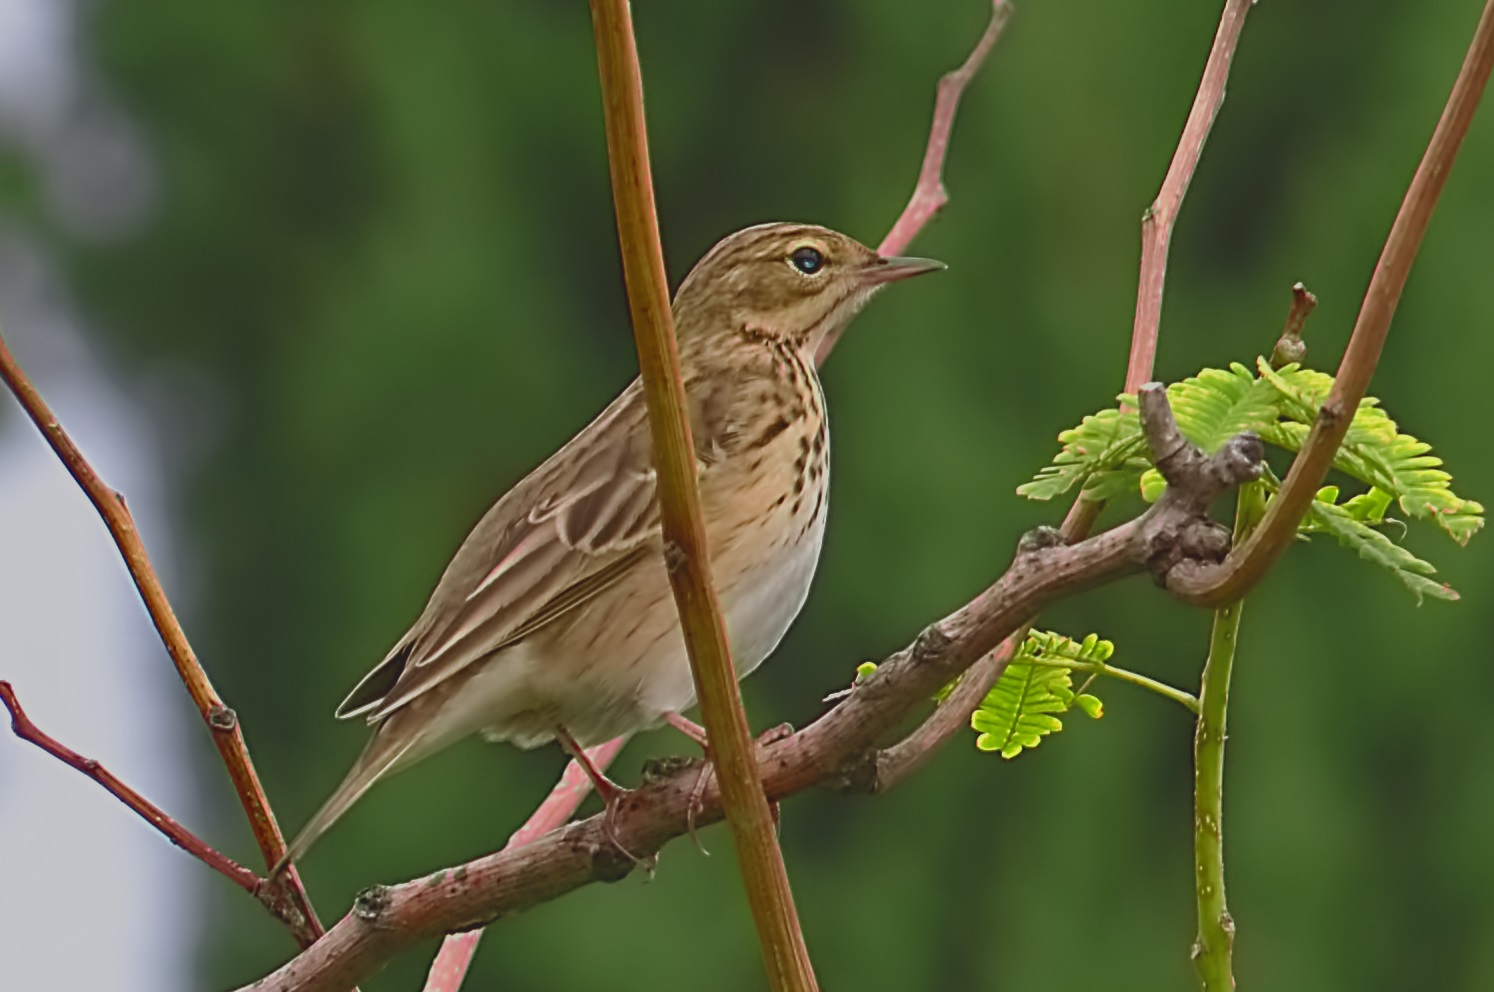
x: 1215, y: 405
x: 1106, y: 456
x: 1023, y: 707
x: 1374, y: 451
x: 1104, y: 445
x: 1344, y: 524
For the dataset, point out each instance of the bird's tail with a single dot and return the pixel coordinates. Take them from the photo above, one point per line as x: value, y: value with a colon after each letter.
x: 386, y: 751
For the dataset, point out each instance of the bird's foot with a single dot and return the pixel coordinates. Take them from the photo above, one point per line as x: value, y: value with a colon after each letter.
x: 697, y: 733
x: 612, y: 795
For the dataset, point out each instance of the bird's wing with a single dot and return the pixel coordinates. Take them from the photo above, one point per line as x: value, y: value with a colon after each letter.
x: 570, y: 530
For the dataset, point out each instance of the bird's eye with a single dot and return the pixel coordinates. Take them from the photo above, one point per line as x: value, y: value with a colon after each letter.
x: 807, y: 260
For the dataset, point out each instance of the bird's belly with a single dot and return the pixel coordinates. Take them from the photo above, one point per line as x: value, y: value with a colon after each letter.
x: 622, y: 664
x: 759, y: 608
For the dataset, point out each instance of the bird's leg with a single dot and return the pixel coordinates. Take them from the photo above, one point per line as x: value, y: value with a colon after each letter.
x: 607, y: 790
x: 689, y: 728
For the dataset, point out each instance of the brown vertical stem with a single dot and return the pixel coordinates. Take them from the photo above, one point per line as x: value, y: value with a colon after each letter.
x: 686, y: 554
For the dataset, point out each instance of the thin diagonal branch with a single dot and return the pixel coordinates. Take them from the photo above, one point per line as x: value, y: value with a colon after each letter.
x: 179, y: 835
x: 1157, y: 223
x: 1216, y: 585
x: 455, y: 956
x: 287, y: 898
x: 832, y: 751
x: 953, y: 715
x: 686, y: 555
x: 929, y: 195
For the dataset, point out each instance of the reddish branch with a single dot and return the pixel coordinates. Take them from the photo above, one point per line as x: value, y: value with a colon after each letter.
x: 929, y: 194
x: 1158, y: 221
x: 153, y: 814
x: 951, y: 717
x: 286, y: 898
x: 1217, y: 585
x: 451, y: 963
x: 838, y: 750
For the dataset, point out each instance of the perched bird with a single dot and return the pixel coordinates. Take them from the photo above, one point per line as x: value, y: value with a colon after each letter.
x: 555, y: 619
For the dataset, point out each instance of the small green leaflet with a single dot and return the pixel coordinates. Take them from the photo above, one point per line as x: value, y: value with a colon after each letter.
x: 1023, y: 707
x: 1376, y: 452
x: 1099, y: 454
x: 1350, y: 524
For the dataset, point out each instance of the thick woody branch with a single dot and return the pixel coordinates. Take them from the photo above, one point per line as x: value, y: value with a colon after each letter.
x: 149, y: 811
x: 1216, y: 585
x: 953, y: 714
x: 837, y: 751
x: 929, y: 195
x: 285, y: 897
x: 686, y: 555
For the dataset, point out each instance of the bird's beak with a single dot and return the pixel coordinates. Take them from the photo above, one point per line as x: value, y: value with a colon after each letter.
x: 895, y: 267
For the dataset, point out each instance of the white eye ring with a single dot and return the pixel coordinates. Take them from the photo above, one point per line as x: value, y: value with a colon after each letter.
x: 807, y: 260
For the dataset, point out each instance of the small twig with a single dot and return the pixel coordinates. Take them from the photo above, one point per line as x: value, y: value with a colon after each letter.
x: 287, y: 898
x: 1215, y: 585
x: 1157, y: 223
x: 759, y: 858
x: 1290, y: 347
x: 1185, y: 699
x: 929, y: 195
x: 455, y: 955
x: 150, y: 812
x: 953, y: 715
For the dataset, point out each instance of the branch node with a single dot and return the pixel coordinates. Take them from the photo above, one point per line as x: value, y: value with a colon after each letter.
x: 1185, y: 543
x: 932, y: 643
x: 1175, y: 456
x: 1239, y: 460
x: 1331, y: 413
x: 665, y: 767
x: 370, y: 903
x: 1039, y: 539
x: 674, y: 557
x: 1290, y: 348
x: 220, y: 717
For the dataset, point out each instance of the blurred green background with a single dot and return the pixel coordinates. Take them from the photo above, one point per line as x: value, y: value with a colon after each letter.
x: 384, y: 258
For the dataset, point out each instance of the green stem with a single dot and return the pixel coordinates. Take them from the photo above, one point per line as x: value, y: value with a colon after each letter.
x: 1178, y: 696
x: 1216, y: 928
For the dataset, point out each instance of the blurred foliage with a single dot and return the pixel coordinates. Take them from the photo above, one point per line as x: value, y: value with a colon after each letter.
x: 382, y: 283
